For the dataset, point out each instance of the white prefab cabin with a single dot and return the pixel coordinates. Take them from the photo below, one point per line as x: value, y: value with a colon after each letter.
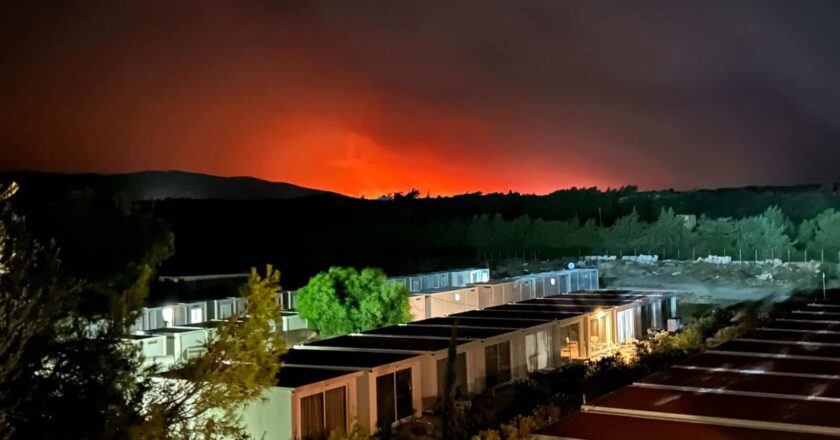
x: 191, y: 313
x: 182, y: 343
x: 307, y: 402
x: 399, y: 370
x: 152, y: 348
x: 225, y: 308
x: 389, y: 389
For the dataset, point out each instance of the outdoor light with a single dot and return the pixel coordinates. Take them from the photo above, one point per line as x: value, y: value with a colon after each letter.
x: 552, y: 281
x: 168, y: 315
x: 457, y: 297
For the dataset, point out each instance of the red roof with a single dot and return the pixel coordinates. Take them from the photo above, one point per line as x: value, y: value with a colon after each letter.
x: 603, y: 427
x: 777, y: 382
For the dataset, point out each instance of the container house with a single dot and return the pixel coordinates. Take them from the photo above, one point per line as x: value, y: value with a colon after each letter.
x: 182, y: 343
x: 388, y: 390
x: 307, y: 402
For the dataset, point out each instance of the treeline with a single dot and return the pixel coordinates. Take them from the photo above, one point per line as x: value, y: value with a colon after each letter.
x: 770, y: 234
x: 412, y: 233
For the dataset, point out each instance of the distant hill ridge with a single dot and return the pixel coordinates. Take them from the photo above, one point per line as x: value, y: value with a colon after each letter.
x: 159, y: 185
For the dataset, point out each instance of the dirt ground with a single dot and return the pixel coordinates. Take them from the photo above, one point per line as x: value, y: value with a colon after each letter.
x: 700, y: 282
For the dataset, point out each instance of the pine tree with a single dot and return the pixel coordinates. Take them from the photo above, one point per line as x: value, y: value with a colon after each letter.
x: 209, y: 392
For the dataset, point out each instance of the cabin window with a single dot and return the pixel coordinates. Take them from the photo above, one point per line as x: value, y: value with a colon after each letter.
x: 195, y: 315
x: 538, y: 350
x: 656, y: 314
x: 570, y: 341
x: 460, y: 375
x: 394, y: 400
x: 598, y: 332
x: 497, y: 363
x: 323, y: 413
x: 626, y: 326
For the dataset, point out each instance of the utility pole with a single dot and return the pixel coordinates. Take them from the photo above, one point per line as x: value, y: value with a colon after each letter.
x: 824, y: 294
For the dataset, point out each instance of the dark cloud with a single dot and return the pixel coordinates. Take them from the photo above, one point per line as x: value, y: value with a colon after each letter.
x: 489, y: 94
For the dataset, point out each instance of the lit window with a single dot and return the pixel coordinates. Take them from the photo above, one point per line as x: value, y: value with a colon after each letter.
x: 168, y: 316
x: 196, y: 316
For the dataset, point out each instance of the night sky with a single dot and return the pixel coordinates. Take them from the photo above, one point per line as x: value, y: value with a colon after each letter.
x: 448, y: 97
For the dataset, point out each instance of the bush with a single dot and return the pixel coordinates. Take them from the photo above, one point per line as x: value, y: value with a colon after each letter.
x: 357, y: 433
x: 522, y: 426
x: 550, y: 396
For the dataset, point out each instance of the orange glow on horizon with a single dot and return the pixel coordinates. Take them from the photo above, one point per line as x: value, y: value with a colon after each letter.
x: 334, y: 158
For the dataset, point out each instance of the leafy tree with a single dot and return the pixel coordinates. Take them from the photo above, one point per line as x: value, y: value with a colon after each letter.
x: 344, y: 300
x: 624, y: 234
x: 239, y: 364
x: 586, y: 237
x: 826, y: 233
x: 62, y: 374
x: 66, y: 372
x: 763, y: 235
x: 480, y: 232
x: 805, y: 233
x: 669, y: 234
x: 520, y: 230
x: 26, y: 312
x: 716, y: 236
x: 775, y: 216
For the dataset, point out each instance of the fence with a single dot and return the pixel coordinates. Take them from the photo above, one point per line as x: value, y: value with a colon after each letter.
x: 664, y: 253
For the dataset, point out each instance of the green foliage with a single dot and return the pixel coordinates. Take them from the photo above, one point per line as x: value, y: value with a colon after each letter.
x: 625, y: 233
x: 516, y: 410
x: 522, y: 426
x: 238, y: 365
x: 344, y: 300
x: 669, y: 234
x: 63, y: 373
x: 716, y: 236
x: 66, y: 372
x: 826, y: 232
x: 764, y: 235
x: 357, y: 433
x: 769, y: 234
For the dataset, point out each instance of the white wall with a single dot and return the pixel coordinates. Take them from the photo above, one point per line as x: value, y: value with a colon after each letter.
x: 270, y: 418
